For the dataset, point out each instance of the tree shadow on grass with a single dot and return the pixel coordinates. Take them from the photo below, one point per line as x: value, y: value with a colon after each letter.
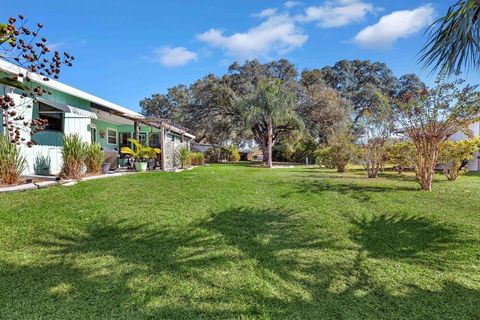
x: 326, y: 279
x: 414, y: 240
x: 240, y: 262
x: 108, y: 270
x: 359, y: 191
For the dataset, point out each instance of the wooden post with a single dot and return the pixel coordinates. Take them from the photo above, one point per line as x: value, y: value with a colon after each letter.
x: 162, y: 144
x: 136, y: 134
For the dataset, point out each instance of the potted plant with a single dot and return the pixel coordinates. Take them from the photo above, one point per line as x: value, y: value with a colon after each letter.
x: 105, y: 168
x: 141, y: 154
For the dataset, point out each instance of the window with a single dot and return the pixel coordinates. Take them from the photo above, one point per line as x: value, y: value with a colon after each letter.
x: 111, y: 136
x: 142, y: 138
x: 155, y: 140
x: 93, y: 132
x: 124, y: 136
x: 52, y: 115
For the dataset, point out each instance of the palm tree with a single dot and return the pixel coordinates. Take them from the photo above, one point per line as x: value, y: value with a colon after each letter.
x: 455, y: 39
x: 268, y: 112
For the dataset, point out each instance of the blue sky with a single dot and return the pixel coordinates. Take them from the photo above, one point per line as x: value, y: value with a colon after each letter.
x: 127, y: 50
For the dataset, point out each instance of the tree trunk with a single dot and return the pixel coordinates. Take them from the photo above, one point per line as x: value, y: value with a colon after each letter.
x: 427, y: 153
x: 270, y: 143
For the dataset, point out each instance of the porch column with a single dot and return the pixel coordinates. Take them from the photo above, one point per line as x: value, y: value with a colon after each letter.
x: 136, y: 134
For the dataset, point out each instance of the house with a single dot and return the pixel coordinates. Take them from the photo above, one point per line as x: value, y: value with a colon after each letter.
x: 474, y: 164
x: 70, y: 110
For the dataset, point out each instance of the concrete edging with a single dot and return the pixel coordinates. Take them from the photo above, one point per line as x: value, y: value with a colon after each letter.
x: 71, y: 182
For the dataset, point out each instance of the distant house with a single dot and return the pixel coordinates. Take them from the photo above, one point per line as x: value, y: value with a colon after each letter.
x: 255, y: 155
x: 201, y: 147
x: 70, y: 110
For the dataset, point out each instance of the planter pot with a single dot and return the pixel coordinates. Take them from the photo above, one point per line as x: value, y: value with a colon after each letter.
x: 105, y: 168
x: 141, y: 166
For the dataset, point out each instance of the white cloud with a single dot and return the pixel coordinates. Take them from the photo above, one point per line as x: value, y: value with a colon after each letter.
x: 394, y: 26
x: 266, y: 13
x: 174, y: 57
x: 277, y: 34
x: 337, y: 13
x: 291, y: 4
x: 55, y: 45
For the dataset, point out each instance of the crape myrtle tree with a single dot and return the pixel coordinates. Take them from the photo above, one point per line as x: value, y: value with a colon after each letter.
x: 23, y: 47
x: 430, y: 117
x: 375, y: 129
x: 269, y: 112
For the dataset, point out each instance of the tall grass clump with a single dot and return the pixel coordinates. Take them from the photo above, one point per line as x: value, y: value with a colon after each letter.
x: 197, y: 158
x: 74, y: 154
x: 12, y: 163
x: 94, y: 158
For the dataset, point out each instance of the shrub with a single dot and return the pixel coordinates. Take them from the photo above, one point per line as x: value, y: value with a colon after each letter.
x: 293, y: 149
x: 401, y: 154
x: 455, y: 155
x: 338, y: 154
x: 196, y: 158
x: 94, y: 158
x: 215, y: 155
x: 232, y: 153
x: 183, y: 156
x: 12, y: 163
x: 324, y: 157
x: 42, y: 165
x: 74, y: 154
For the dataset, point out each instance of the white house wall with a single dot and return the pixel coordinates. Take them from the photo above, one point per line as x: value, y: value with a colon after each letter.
x: 51, y: 152
x: 73, y: 123
x: 76, y: 124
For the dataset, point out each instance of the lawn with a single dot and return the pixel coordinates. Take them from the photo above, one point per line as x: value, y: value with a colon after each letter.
x: 232, y: 241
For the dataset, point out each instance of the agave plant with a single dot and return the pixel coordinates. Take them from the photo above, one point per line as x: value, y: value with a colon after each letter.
x: 183, y: 155
x: 140, y: 152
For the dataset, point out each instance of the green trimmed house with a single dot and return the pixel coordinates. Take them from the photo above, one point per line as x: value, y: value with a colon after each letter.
x: 70, y: 110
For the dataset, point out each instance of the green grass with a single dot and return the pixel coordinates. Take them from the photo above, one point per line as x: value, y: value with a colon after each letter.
x: 231, y: 241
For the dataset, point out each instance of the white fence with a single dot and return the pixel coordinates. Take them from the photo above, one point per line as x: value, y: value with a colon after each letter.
x: 51, y: 152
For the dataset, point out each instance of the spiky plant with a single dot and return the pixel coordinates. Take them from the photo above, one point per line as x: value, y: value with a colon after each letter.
x: 12, y: 163
x: 74, y: 153
x: 183, y: 156
x: 94, y: 158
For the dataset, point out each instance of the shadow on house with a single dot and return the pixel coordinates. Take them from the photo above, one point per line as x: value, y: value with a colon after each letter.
x: 240, y: 262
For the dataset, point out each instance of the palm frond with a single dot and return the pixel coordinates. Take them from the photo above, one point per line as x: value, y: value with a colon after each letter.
x: 137, y: 144
x: 127, y: 150
x: 454, y: 39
